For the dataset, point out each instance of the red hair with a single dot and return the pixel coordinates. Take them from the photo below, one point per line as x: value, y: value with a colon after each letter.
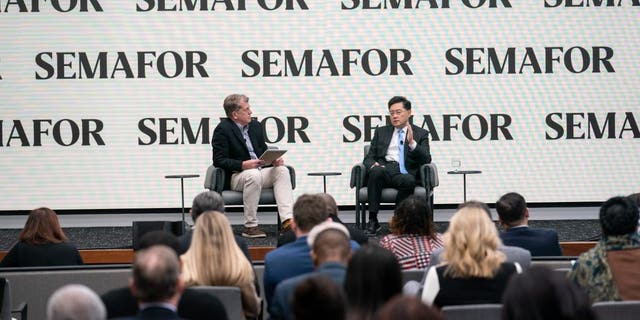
x: 42, y: 227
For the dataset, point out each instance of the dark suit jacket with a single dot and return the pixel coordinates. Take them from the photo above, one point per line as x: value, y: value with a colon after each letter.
x: 154, y: 313
x: 23, y: 254
x: 230, y: 149
x: 194, y: 305
x: 540, y: 242
x: 413, y: 159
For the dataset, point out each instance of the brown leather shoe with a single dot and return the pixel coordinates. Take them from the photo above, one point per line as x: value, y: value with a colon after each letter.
x: 286, y: 226
x: 253, y: 232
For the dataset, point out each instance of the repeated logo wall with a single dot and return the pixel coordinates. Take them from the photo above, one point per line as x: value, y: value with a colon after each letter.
x: 99, y: 100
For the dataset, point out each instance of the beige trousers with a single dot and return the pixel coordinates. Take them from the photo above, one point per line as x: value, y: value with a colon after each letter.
x: 251, y: 182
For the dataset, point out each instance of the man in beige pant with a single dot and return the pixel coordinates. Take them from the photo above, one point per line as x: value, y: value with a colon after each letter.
x: 237, y: 143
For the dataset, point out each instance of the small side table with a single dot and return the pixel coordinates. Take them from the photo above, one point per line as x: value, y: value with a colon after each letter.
x: 464, y: 174
x: 324, y: 177
x: 182, y: 177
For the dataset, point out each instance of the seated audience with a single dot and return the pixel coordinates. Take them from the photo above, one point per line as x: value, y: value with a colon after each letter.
x: 609, y: 271
x: 75, y: 302
x: 513, y: 254
x: 373, y: 277
x: 407, y: 308
x: 156, y: 283
x: 42, y: 243
x: 541, y: 294
x: 474, y: 270
x: 330, y: 252
x: 193, y: 304
x: 513, y: 217
x: 413, y: 236
x: 318, y: 298
x: 332, y: 208
x: 214, y: 259
x: 293, y: 258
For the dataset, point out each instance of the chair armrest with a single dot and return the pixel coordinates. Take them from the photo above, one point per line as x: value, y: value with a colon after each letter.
x: 214, y: 179
x: 292, y: 174
x: 429, y: 176
x: 357, y: 176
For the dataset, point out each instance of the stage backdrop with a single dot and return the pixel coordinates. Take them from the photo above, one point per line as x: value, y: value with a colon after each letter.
x: 101, y: 99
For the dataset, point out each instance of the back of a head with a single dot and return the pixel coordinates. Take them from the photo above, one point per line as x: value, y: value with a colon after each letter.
x: 42, y: 226
x: 511, y: 208
x: 411, y: 217
x: 407, y: 308
x: 206, y: 201
x: 156, y: 271
x: 75, y: 302
x: 159, y: 237
x: 618, y: 216
x: 540, y: 294
x: 471, y: 244
x: 309, y: 210
x: 332, y: 206
x: 318, y: 298
x: 373, y: 277
x: 332, y: 244
x: 635, y: 198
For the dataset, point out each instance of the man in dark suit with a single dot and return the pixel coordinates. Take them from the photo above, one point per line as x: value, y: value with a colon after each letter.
x: 513, y: 217
x: 237, y: 143
x: 396, y: 154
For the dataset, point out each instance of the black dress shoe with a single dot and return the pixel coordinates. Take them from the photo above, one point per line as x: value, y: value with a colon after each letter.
x: 372, y: 228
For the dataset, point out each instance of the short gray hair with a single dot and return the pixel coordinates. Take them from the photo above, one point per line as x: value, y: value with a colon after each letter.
x: 75, y: 302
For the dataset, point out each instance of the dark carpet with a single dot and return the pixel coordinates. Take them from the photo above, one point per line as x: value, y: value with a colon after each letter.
x: 121, y: 237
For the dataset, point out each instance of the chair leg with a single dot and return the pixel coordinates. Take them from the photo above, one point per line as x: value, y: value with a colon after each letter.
x: 357, y: 213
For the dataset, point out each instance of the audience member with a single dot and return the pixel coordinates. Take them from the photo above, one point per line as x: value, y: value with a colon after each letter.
x: 373, y: 277
x: 194, y: 304
x: 75, y: 302
x: 413, y: 236
x: 513, y: 254
x: 214, y: 259
x: 332, y: 208
x: 42, y: 243
x: 318, y: 298
x: 474, y: 270
x: 156, y: 283
x: 609, y: 271
x: 541, y: 294
x: 407, y: 308
x: 294, y: 259
x: 514, y: 217
x: 330, y: 253
x: 208, y: 201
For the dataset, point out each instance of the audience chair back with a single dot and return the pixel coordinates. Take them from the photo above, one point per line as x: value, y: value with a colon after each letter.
x: 428, y: 178
x: 617, y: 310
x: 229, y: 296
x: 5, y: 303
x: 473, y: 312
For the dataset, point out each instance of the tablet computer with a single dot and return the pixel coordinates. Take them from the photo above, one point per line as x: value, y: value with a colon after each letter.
x: 271, y: 155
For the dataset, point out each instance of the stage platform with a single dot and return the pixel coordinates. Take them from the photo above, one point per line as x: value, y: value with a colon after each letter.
x: 110, y: 231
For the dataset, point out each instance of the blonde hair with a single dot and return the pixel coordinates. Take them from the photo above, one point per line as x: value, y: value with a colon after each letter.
x: 471, y: 245
x: 214, y: 258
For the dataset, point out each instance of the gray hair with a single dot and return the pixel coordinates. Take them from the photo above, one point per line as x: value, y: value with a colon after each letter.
x: 75, y: 302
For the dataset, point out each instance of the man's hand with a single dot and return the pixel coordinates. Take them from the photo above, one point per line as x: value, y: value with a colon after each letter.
x: 278, y: 162
x: 252, y: 164
x: 409, y: 134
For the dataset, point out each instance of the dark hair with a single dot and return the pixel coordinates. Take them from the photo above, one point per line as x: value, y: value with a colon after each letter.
x: 411, y: 217
x: 511, y: 208
x: 42, y: 227
x: 406, y: 104
x: 332, y: 207
x: 476, y: 204
x: 635, y: 198
x: 541, y: 293
x: 232, y: 103
x: 618, y: 216
x: 373, y: 277
x: 407, y: 308
x: 159, y: 237
x: 206, y: 201
x: 309, y: 210
x: 155, y: 274
x: 318, y: 297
